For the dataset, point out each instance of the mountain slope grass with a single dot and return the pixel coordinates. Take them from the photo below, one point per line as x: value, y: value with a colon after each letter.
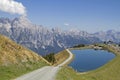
x: 16, y: 60
x: 110, y: 71
x: 61, y: 57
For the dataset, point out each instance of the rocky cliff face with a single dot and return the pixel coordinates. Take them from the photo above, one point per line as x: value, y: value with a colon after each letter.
x: 110, y: 35
x: 41, y: 39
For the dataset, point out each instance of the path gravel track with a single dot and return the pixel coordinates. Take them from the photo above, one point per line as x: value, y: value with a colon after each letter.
x: 45, y: 73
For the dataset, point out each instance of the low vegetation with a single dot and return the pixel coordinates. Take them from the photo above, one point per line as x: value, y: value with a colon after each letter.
x: 50, y: 58
x: 16, y: 70
x: 61, y: 57
x: 80, y: 45
x: 56, y: 59
x: 110, y: 71
x: 16, y: 60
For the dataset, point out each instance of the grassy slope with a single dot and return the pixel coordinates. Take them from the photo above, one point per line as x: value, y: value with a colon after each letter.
x: 61, y: 56
x: 16, y: 60
x: 110, y: 71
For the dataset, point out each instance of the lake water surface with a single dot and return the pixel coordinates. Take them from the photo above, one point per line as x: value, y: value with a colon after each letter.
x: 90, y: 59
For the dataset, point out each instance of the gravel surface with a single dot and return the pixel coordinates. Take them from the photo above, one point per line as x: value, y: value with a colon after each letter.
x: 45, y: 73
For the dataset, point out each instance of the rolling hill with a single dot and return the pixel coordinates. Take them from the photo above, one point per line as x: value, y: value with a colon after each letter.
x: 16, y: 60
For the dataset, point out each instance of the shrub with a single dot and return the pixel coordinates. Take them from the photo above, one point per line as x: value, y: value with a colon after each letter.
x: 50, y: 58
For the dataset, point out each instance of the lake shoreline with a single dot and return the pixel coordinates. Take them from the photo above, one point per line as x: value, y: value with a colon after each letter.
x: 99, y: 47
x: 109, y: 71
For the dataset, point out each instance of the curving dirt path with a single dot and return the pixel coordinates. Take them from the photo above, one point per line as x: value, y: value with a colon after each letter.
x: 45, y: 73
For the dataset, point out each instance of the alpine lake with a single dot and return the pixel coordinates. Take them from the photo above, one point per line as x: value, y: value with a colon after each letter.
x: 90, y: 59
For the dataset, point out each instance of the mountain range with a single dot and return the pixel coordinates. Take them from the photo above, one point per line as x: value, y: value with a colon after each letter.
x: 44, y: 41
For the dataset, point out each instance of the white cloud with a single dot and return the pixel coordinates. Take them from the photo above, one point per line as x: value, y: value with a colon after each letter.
x: 13, y: 7
x: 66, y: 24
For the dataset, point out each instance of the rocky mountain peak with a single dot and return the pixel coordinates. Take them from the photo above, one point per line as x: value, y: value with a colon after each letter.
x: 43, y: 40
x: 4, y: 20
x: 22, y: 22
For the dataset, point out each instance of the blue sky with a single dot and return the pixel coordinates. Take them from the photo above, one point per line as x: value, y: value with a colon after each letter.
x: 88, y: 15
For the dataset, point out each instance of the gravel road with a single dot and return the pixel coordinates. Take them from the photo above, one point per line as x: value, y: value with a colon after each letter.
x: 45, y: 73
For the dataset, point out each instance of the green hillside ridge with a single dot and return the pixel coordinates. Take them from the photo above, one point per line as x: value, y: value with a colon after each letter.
x: 16, y: 60
x: 61, y: 57
x: 110, y: 71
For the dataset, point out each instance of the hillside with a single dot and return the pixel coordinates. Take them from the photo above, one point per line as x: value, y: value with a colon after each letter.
x: 110, y: 71
x: 61, y: 57
x: 16, y: 60
x: 42, y: 39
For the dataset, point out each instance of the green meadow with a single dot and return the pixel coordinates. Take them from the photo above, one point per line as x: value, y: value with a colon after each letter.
x: 110, y: 71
